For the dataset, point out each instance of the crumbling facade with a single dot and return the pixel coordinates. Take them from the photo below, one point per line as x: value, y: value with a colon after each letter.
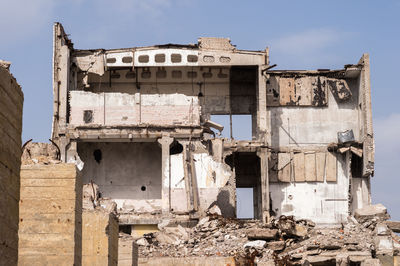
x: 139, y: 123
x: 11, y: 100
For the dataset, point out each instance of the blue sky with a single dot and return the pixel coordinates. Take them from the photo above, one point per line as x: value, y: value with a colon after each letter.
x: 300, y: 34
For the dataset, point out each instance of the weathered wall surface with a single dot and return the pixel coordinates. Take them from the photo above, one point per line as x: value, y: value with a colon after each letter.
x: 50, y: 228
x: 128, y: 254
x: 99, y: 238
x: 11, y: 100
x: 133, y: 109
x: 126, y: 172
x: 307, y: 126
x: 314, y: 183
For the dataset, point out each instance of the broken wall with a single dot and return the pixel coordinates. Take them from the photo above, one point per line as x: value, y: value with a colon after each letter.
x: 129, y: 173
x: 307, y: 180
x: 152, y: 96
x: 211, y: 179
x: 11, y: 101
x: 99, y: 238
x: 50, y: 227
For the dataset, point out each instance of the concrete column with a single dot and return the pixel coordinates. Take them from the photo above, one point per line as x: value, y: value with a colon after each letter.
x: 165, y: 143
x: 263, y: 154
x: 71, y: 151
x: 63, y: 145
x: 262, y: 116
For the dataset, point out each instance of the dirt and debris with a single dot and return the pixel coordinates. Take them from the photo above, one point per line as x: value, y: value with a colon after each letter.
x: 40, y: 153
x: 283, y: 241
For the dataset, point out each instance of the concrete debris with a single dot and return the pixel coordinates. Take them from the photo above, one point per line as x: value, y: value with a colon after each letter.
x: 264, y: 234
x: 382, y: 229
x: 257, y: 244
x: 214, y: 210
x: 40, y: 153
x: 285, y: 241
x: 366, y: 214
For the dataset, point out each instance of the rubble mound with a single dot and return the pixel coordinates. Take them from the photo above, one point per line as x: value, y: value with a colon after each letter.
x: 283, y: 241
x: 40, y: 153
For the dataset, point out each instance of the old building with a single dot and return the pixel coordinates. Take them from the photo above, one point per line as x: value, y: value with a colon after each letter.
x: 140, y: 122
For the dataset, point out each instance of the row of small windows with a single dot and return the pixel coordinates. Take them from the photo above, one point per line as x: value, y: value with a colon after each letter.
x: 174, y: 74
x: 175, y: 58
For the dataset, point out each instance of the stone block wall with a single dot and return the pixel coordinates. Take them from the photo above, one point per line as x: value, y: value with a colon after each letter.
x: 50, y: 227
x: 11, y: 101
x: 99, y: 238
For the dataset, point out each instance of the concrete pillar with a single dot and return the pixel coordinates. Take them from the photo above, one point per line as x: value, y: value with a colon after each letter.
x: 165, y: 143
x: 262, y: 116
x: 263, y: 135
x: 263, y: 154
x: 71, y: 151
x: 99, y: 238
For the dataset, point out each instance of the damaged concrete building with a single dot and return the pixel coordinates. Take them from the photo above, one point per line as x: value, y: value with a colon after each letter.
x: 140, y: 123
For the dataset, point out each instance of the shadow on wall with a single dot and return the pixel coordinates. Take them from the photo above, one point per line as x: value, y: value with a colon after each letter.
x: 224, y: 203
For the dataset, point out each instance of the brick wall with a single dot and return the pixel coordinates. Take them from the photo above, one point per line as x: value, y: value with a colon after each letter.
x: 99, y: 238
x: 50, y: 227
x: 11, y: 100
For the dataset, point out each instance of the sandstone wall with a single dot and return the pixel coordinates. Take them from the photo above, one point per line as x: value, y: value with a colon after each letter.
x: 11, y: 100
x: 128, y: 252
x: 50, y: 228
x: 99, y: 238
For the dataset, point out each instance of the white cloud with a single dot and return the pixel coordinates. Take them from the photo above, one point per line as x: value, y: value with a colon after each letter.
x: 308, y: 48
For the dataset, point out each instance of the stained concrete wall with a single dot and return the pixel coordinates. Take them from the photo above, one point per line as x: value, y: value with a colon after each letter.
x: 129, y: 173
x: 11, y: 100
x: 50, y: 228
x: 99, y: 238
x: 167, y: 99
x: 313, y: 128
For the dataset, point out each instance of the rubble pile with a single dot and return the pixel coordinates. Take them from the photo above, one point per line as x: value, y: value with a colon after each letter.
x: 40, y: 153
x: 283, y: 241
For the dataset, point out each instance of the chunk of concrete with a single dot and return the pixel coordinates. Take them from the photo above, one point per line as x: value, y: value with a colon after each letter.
x: 382, y: 229
x: 383, y: 244
x: 258, y: 244
x: 262, y: 234
x: 142, y: 242
x: 300, y: 231
x: 276, y: 245
x: 214, y: 210
x: 371, y: 211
